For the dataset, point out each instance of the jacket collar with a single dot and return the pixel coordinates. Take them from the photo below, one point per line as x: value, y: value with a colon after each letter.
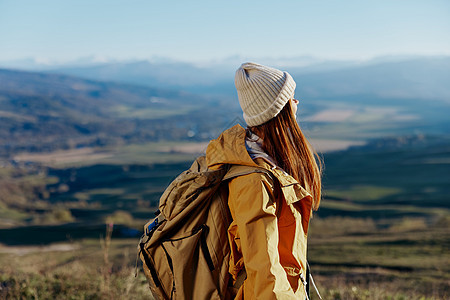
x: 229, y: 148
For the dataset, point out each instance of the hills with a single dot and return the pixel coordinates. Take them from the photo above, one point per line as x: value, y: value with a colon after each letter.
x: 134, y: 102
x: 42, y: 112
x: 409, y: 93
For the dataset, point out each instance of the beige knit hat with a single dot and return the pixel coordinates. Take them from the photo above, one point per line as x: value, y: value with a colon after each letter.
x: 262, y: 92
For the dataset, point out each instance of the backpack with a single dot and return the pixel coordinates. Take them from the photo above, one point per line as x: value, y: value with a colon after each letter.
x: 185, y: 249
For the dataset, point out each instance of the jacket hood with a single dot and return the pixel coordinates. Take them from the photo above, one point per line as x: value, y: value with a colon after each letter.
x: 229, y: 148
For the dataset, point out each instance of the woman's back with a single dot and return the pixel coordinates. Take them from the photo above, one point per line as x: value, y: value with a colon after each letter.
x: 268, y: 235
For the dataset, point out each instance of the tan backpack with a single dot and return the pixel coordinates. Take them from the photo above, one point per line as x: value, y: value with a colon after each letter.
x: 185, y: 250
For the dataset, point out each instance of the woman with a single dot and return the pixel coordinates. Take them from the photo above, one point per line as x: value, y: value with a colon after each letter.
x: 270, y: 210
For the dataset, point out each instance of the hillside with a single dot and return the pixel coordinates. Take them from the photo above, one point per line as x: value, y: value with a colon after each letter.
x: 44, y: 112
x: 343, y: 100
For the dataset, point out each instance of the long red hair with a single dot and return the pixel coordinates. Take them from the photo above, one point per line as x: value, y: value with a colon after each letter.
x: 284, y: 141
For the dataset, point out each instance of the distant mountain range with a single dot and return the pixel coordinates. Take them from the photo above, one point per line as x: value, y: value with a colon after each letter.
x: 420, y: 78
x: 395, y: 77
x: 406, y: 78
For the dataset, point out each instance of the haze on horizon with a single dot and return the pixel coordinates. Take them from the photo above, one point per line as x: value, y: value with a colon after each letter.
x: 52, y: 31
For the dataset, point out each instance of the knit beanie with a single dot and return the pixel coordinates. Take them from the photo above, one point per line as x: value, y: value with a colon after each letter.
x: 262, y: 92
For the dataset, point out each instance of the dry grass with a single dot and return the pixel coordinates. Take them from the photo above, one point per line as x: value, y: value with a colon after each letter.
x: 398, y: 259
x: 86, y: 270
x: 359, y: 287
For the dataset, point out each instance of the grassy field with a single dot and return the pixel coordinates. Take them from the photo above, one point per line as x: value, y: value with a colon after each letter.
x: 350, y: 259
x: 406, y: 260
x: 84, y: 269
x: 382, y: 231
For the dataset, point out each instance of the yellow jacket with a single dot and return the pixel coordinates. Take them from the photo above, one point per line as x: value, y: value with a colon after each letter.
x: 270, y: 223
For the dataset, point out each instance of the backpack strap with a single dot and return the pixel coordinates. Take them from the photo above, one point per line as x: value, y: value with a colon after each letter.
x: 238, y: 170
x: 240, y: 279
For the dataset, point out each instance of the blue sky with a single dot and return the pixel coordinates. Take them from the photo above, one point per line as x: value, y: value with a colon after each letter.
x: 56, y: 30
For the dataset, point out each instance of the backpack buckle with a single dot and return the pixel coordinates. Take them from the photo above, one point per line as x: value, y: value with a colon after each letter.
x: 153, y: 225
